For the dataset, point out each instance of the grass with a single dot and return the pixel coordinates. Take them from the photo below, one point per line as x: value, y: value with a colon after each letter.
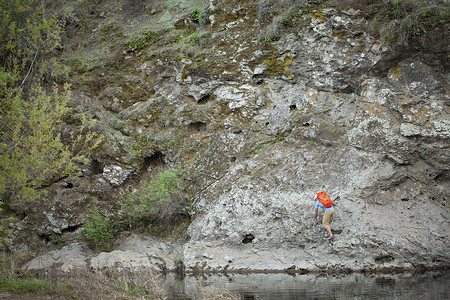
x: 83, y: 284
x: 108, y: 284
x: 23, y: 285
x: 79, y: 283
x: 396, y: 21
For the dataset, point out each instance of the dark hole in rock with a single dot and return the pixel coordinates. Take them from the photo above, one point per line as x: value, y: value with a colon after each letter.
x: 293, y: 107
x: 72, y: 228
x: 96, y: 167
x: 267, y: 123
x: 68, y: 185
x: 45, y: 238
x: 156, y: 158
x: 203, y: 100
x: 248, y: 238
x: 233, y: 159
x: 306, y: 124
x: 155, y: 161
x: 404, y: 199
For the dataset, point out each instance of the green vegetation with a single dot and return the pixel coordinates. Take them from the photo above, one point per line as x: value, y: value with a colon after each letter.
x: 143, y: 39
x: 401, y: 21
x: 79, y: 284
x: 159, y: 198
x: 134, y: 290
x: 28, y: 284
x: 99, y: 231
x: 141, y: 146
x: 57, y: 240
x: 4, y: 230
x: 397, y: 21
x: 277, y: 139
x: 199, y: 17
x: 32, y: 151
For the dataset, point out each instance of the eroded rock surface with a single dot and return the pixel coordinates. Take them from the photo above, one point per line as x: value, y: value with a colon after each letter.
x: 328, y: 107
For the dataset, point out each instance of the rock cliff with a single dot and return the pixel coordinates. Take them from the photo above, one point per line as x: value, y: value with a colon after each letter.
x: 262, y: 105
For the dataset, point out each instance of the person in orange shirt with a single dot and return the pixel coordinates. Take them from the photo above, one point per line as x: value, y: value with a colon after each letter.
x: 324, y: 202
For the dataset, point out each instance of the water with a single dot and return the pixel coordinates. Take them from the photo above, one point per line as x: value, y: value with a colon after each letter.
x: 432, y: 285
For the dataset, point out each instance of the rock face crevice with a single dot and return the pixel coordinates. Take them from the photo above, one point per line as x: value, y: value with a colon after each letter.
x: 258, y: 130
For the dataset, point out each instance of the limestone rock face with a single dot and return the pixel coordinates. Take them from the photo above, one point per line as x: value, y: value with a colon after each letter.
x: 258, y: 132
x: 134, y: 253
x: 380, y: 143
x: 68, y: 258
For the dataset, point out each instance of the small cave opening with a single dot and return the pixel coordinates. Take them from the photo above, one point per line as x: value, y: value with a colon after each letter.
x: 404, y: 199
x: 154, y: 161
x: 71, y: 228
x: 258, y: 79
x: 155, y: 158
x: 196, y: 127
x: 96, y: 167
x: 203, y: 100
x: 46, y: 239
x: 248, y: 238
x: 67, y: 185
x: 306, y: 124
x: 293, y: 107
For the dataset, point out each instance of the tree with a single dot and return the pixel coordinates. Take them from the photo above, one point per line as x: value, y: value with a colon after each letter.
x: 32, y: 152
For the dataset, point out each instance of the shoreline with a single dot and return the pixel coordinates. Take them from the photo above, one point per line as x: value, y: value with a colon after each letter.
x: 378, y: 270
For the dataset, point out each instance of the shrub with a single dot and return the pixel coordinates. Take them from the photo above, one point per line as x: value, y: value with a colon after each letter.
x: 99, y: 231
x: 158, y: 199
x: 199, y: 17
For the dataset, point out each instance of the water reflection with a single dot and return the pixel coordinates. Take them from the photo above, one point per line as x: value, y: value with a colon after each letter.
x: 433, y: 285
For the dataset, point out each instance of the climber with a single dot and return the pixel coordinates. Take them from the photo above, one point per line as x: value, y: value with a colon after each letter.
x: 324, y: 202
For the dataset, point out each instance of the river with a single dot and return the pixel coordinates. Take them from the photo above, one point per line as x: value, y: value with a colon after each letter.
x: 280, y: 286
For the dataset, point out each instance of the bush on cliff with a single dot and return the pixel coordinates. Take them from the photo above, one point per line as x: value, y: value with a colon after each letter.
x: 99, y: 230
x: 155, y: 200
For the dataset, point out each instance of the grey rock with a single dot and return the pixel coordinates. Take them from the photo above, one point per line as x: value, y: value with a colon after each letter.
x: 68, y: 258
x: 116, y: 175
